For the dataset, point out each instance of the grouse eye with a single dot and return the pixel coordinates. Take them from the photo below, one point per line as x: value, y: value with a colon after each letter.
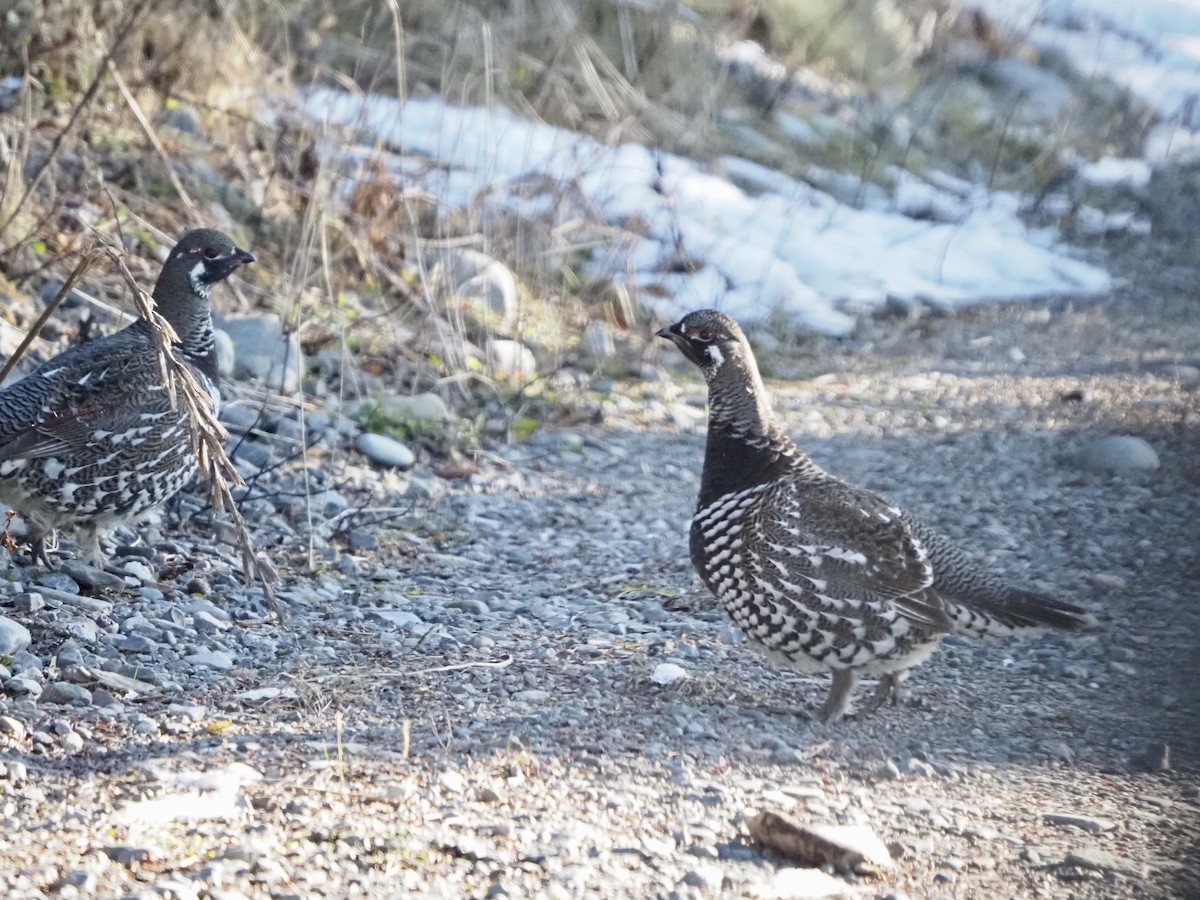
x: 705, y: 335
x: 210, y: 252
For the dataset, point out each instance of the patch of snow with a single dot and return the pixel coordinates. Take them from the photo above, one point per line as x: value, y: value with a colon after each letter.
x: 1150, y: 47
x: 1113, y: 172
x: 752, y: 241
x: 668, y: 673
x: 798, y: 129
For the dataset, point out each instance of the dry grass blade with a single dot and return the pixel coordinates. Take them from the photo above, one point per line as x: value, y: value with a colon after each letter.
x: 208, y: 435
x: 128, y: 24
x: 152, y: 136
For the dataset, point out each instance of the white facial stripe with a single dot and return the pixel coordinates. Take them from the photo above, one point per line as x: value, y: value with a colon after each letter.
x: 200, y: 287
x: 715, y: 354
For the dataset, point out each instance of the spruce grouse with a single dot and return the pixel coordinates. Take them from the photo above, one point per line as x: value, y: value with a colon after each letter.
x: 89, y: 438
x: 821, y: 573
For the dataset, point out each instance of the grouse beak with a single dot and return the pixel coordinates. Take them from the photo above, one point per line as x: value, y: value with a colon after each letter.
x: 223, y: 266
x: 672, y: 333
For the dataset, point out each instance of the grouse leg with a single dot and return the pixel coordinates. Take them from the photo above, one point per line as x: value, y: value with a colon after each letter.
x: 840, y: 693
x: 38, y: 552
x: 891, y: 687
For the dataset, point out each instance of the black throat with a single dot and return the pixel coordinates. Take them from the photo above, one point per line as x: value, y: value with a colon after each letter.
x: 735, y: 461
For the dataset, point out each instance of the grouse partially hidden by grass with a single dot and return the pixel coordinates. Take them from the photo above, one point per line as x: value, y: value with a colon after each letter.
x: 89, y: 438
x: 825, y: 575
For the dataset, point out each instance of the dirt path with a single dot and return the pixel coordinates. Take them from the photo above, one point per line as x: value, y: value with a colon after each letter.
x: 480, y: 716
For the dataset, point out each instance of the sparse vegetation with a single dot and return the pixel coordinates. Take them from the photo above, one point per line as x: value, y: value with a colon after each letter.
x: 142, y: 119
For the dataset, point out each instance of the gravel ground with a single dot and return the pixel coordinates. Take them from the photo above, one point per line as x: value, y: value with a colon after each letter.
x: 468, y: 701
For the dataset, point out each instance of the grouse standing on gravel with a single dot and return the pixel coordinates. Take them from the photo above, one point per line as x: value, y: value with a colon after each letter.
x: 90, y: 437
x: 821, y: 573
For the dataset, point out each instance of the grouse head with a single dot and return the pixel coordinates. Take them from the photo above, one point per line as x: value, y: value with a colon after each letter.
x: 715, y: 343
x: 182, y: 294
x: 201, y: 259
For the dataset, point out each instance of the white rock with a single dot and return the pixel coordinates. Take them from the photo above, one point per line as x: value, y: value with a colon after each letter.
x: 668, y: 673
x: 401, y: 618
x: 14, y: 637
x: 475, y: 276
x: 452, y: 781
x: 1119, y: 455
x: 511, y: 359
x: 597, y: 342
x: 795, y: 883
x: 225, y: 352
x: 214, y: 659
x: 384, y: 451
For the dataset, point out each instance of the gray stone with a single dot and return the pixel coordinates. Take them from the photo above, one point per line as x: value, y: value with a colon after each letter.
x: 81, y: 628
x: 362, y: 539
x: 213, y: 659
x: 239, y: 416
x: 183, y: 118
x: 384, y: 451
x: 846, y: 848
x: 58, y: 581
x: 103, y: 698
x: 90, y: 576
x: 414, y: 407
x: 25, y: 663
x: 1118, y: 455
x: 66, y: 694
x: 1082, y: 822
x: 207, y: 623
x: 1102, y: 860
x: 28, y: 602
x: 262, y: 351
x: 14, y: 636
x: 23, y: 686
x: 401, y: 618
x: 329, y: 503
x: 135, y: 643
x: 469, y: 605
x: 914, y: 766
x: 452, y: 781
x: 50, y: 288
x: 1173, y: 200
